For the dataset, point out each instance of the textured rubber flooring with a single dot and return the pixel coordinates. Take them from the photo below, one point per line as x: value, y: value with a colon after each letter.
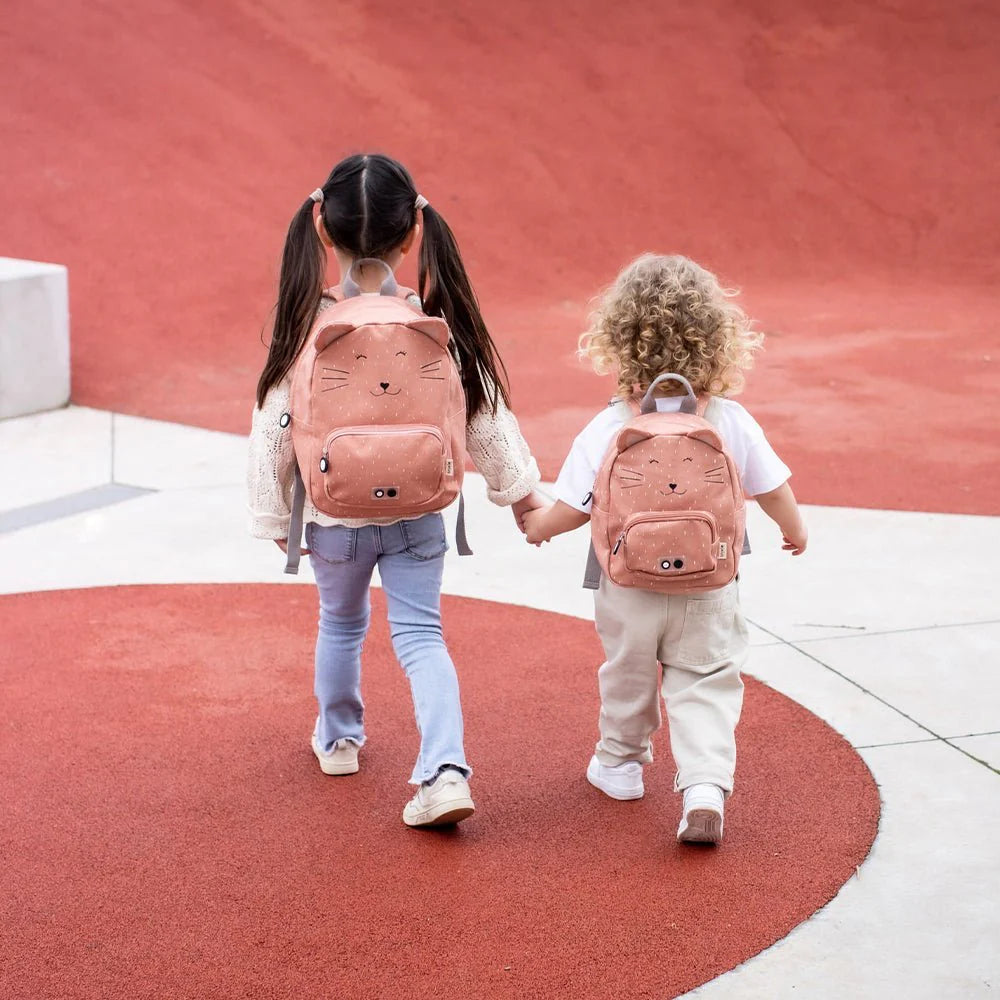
x: 167, y: 832
x: 831, y: 159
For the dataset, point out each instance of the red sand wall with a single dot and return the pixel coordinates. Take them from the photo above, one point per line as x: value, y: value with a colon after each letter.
x: 834, y: 160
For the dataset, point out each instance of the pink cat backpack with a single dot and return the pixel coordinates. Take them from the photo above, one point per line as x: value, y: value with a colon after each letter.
x: 377, y: 412
x: 667, y: 512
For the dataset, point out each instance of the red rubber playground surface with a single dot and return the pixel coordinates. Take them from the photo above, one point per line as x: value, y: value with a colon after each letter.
x: 184, y: 843
x: 175, y: 838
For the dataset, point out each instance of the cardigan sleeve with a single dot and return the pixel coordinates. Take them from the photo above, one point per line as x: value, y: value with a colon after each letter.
x: 270, y: 466
x: 500, y: 453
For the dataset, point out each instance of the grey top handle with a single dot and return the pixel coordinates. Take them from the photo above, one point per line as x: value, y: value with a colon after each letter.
x: 688, y: 405
x: 351, y: 288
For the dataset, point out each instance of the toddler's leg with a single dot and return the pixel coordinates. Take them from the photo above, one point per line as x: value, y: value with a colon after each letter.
x: 629, y: 622
x: 702, y: 652
x: 342, y: 561
x: 411, y: 567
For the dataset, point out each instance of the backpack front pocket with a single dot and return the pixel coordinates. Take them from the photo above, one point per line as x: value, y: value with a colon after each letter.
x: 398, y: 466
x: 668, y: 544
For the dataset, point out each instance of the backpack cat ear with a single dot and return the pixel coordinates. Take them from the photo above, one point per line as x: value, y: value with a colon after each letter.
x: 433, y: 326
x: 330, y: 333
x: 707, y: 434
x: 629, y: 436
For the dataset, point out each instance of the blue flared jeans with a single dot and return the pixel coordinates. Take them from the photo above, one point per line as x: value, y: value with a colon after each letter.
x: 410, y: 559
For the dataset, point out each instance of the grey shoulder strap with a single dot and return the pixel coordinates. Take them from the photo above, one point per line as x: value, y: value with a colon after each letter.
x: 712, y: 414
x: 592, y: 574
x: 713, y: 411
x: 294, y: 542
x: 461, y: 540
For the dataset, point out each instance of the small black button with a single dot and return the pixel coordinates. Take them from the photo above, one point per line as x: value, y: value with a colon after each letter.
x: 678, y: 563
x: 285, y: 419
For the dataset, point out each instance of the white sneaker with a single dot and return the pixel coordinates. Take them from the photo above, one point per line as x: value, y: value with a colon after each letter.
x: 448, y: 800
x: 342, y: 759
x: 622, y: 781
x: 704, y: 807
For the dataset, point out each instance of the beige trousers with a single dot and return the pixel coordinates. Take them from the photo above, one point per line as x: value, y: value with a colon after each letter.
x: 701, y: 642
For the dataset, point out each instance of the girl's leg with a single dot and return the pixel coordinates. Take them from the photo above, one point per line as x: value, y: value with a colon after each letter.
x: 410, y: 565
x: 342, y: 561
x: 629, y: 622
x: 702, y: 652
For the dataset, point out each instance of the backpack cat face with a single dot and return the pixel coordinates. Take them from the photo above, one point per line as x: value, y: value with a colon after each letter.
x: 664, y: 473
x: 383, y: 374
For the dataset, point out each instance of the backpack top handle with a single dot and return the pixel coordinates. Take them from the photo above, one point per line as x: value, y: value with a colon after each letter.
x: 688, y: 405
x: 350, y: 287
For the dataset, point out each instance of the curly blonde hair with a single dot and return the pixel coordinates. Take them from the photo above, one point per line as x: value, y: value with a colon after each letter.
x: 668, y: 314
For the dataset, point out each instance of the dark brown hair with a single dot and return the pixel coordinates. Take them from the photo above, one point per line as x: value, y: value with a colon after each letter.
x: 368, y: 208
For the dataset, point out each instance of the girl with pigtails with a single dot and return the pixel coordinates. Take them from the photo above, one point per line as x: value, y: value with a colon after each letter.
x: 370, y: 215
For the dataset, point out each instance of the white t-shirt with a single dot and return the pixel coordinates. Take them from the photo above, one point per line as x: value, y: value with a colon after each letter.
x: 760, y: 468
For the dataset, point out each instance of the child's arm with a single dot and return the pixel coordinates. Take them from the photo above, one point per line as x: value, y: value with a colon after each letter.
x: 543, y: 523
x: 271, y: 469
x: 781, y: 507
x: 502, y: 456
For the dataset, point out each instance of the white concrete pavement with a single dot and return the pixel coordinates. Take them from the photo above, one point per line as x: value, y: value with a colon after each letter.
x: 888, y: 628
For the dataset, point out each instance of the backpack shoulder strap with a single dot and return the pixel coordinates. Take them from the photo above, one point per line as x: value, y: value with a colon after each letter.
x: 713, y: 413
x: 592, y: 573
x: 295, y: 524
x: 627, y: 406
x: 627, y: 409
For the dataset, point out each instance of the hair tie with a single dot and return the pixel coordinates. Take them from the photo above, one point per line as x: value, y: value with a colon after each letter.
x: 317, y: 196
x: 421, y: 202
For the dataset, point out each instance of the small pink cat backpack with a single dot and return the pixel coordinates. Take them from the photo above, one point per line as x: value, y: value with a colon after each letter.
x: 667, y: 512
x: 377, y: 412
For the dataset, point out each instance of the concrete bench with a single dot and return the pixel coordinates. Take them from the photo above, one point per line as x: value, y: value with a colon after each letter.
x: 34, y: 336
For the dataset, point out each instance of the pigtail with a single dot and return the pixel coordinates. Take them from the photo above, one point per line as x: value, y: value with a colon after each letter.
x: 300, y: 287
x: 446, y: 291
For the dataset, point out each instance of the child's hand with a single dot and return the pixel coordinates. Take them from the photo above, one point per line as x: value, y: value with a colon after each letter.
x: 282, y: 544
x: 796, y: 539
x: 780, y: 506
x: 535, y: 526
x: 532, y: 501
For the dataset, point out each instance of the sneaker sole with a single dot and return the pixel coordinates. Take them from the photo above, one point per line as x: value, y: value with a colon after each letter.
x: 704, y: 826
x: 328, y: 768
x: 612, y: 793
x: 443, y: 814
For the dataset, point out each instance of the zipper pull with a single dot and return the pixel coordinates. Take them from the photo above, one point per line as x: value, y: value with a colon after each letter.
x: 618, y: 544
x: 324, y: 464
x: 587, y: 498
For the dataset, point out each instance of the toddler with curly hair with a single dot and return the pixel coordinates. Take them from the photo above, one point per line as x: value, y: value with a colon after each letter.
x: 667, y: 314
